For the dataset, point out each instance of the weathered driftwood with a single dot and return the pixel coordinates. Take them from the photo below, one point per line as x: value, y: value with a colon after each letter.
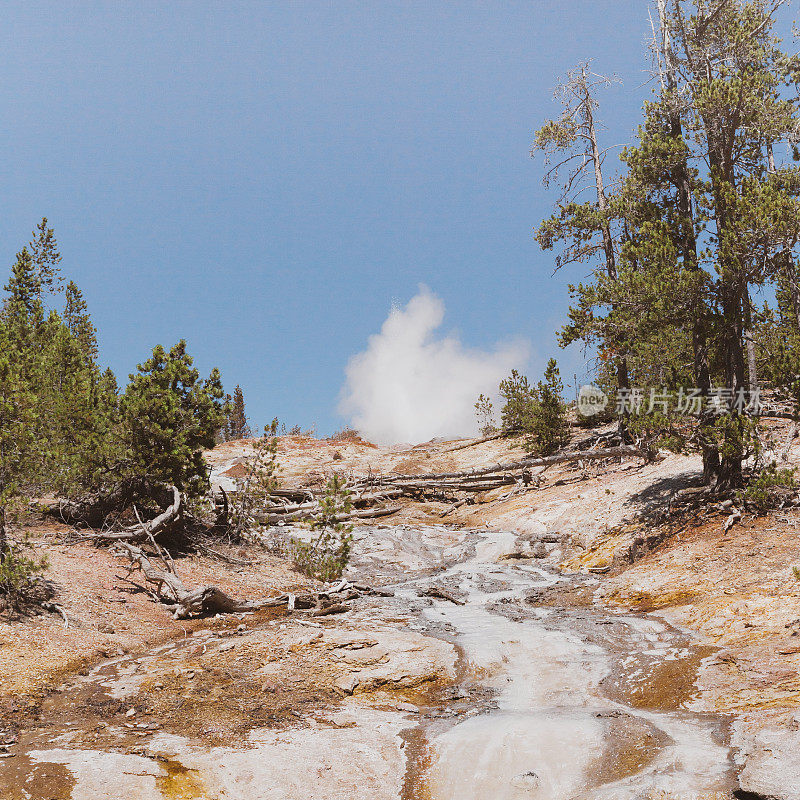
x: 297, y: 516
x: 145, y: 530
x: 309, y: 508
x: 335, y: 608
x: 475, y: 442
x: 169, y: 589
x: 482, y: 484
x: 625, y: 451
x: 178, y: 599
x: 454, y: 507
x: 441, y: 594
x: 776, y: 414
x: 95, y: 509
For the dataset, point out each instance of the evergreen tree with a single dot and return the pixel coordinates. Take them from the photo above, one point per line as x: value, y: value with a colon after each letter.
x: 63, y: 426
x: 17, y: 440
x: 587, y: 231
x: 45, y: 257
x: 519, y: 402
x: 79, y: 323
x: 538, y: 413
x: 326, y: 557
x: 547, y: 428
x: 169, y: 417
x: 705, y: 215
x: 236, y: 424
x: 22, y: 308
x: 257, y: 485
x: 484, y: 411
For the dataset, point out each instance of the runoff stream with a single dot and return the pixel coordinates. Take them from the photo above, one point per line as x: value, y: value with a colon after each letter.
x: 553, y: 697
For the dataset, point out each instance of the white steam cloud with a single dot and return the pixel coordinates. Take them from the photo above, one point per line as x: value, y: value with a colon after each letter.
x: 410, y: 386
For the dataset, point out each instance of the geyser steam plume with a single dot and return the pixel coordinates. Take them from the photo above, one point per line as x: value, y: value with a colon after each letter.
x: 410, y: 386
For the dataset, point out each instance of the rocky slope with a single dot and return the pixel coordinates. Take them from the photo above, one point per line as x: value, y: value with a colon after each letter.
x: 687, y: 634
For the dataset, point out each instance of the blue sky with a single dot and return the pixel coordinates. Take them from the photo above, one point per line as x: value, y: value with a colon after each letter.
x: 264, y: 179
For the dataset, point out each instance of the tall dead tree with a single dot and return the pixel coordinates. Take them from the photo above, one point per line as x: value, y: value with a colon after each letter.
x: 576, y: 158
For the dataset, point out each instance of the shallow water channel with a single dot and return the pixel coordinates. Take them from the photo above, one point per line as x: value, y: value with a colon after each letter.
x: 550, y: 699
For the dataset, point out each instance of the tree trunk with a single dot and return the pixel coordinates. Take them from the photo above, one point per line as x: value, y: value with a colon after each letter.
x: 608, y: 245
x: 750, y: 348
x: 730, y: 470
x: 3, y: 537
x: 688, y: 245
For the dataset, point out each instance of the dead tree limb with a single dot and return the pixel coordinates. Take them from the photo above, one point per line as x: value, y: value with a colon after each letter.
x: 296, y: 516
x: 441, y: 594
x: 182, y: 602
x: 609, y: 452
x: 784, y: 454
x: 475, y: 442
x: 145, y: 530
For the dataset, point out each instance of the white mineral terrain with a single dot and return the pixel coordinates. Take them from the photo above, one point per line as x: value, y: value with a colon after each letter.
x: 562, y: 642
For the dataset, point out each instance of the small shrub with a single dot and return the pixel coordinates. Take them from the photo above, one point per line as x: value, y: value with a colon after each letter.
x: 519, y: 402
x: 537, y: 412
x: 327, y: 555
x: 309, y: 433
x: 769, y: 489
x: 19, y: 573
x: 547, y: 428
x: 346, y: 435
x: 255, y: 488
x: 484, y: 411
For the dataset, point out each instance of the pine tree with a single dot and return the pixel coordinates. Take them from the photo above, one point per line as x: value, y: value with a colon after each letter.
x: 326, y: 557
x: 236, y: 424
x: 257, y: 485
x: 547, y: 428
x: 519, y: 403
x: 23, y: 308
x: 17, y: 441
x: 732, y: 110
x: 79, y: 323
x: 45, y: 257
x: 169, y: 417
x: 704, y: 216
x: 484, y: 411
x: 587, y: 231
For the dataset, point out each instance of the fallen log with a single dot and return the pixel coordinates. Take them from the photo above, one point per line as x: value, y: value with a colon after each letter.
x: 373, y: 590
x: 144, y: 530
x: 314, y: 506
x: 544, y: 461
x: 466, y: 484
x: 453, y: 508
x: 336, y: 608
x: 182, y: 602
x: 441, y: 594
x: 297, y: 516
x: 475, y: 442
